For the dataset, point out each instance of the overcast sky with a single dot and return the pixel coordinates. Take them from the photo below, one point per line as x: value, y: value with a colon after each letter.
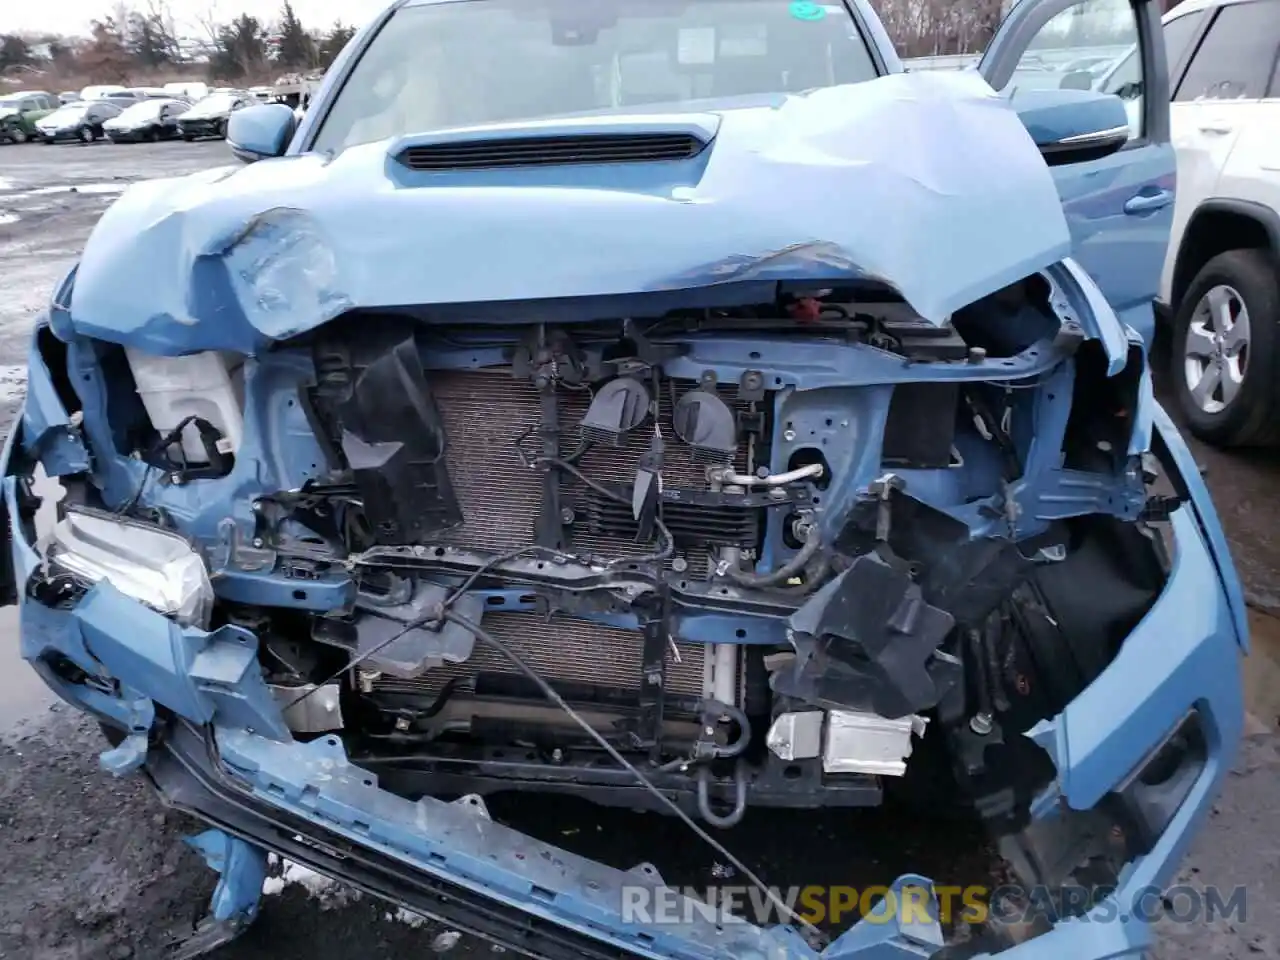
x: 73, y: 16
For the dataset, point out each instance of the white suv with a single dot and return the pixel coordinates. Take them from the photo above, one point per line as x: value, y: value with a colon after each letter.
x: 1221, y: 280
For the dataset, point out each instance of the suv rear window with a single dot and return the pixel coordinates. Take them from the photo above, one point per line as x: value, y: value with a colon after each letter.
x: 1237, y: 58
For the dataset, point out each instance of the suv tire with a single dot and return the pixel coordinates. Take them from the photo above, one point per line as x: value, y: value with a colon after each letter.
x: 1244, y: 286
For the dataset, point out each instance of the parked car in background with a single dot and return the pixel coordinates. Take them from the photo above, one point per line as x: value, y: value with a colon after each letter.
x: 1220, y: 283
x: 69, y: 96
x: 147, y: 120
x: 151, y: 93
x: 124, y: 97
x: 209, y: 117
x: 192, y: 90
x: 1221, y: 279
x: 19, y: 113
x: 77, y: 121
x: 100, y: 90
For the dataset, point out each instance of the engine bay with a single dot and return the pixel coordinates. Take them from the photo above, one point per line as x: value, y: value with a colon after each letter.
x: 765, y: 553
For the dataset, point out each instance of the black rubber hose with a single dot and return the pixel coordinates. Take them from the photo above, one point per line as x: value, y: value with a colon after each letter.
x: 812, y: 543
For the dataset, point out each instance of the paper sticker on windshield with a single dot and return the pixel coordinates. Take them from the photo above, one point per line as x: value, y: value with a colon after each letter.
x: 807, y: 10
x: 697, y: 45
x: 744, y: 41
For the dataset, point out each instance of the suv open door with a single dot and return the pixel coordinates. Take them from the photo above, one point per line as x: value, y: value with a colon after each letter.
x: 1119, y: 206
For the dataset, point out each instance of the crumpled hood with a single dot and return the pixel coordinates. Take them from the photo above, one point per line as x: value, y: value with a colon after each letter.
x: 926, y: 181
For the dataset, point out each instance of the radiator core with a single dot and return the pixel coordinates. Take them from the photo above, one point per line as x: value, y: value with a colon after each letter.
x: 569, y: 650
x: 484, y: 412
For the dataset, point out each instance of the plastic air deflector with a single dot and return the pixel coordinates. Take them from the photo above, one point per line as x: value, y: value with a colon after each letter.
x: 374, y: 395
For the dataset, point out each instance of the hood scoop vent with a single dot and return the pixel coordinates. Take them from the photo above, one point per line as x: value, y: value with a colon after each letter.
x: 545, y: 151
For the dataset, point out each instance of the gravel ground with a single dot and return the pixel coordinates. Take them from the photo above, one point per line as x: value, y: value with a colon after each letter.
x: 94, y: 868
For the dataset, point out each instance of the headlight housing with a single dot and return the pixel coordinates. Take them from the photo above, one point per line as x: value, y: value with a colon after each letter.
x: 153, y: 566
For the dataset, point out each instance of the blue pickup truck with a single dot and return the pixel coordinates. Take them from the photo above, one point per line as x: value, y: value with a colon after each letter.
x: 669, y: 403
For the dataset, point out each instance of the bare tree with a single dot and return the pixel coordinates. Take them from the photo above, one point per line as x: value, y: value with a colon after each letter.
x: 921, y: 28
x: 160, y: 15
x: 210, y: 25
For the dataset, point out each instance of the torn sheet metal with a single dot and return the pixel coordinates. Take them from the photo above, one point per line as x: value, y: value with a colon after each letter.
x: 308, y: 708
x: 859, y: 742
x: 925, y: 180
x: 796, y: 736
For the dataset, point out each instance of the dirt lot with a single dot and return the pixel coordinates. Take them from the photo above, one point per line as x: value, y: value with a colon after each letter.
x: 94, y: 869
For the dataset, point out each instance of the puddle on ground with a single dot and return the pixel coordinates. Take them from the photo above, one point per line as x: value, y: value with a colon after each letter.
x: 13, y: 380
x: 23, y: 695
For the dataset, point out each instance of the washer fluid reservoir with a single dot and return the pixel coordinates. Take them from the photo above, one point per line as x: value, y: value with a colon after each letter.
x: 201, y: 385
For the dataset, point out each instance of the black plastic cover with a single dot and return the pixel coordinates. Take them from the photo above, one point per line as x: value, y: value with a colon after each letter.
x: 921, y: 426
x: 374, y: 399
x: 868, y: 641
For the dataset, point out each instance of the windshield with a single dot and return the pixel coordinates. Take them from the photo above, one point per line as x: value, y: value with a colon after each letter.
x: 437, y: 65
x: 72, y: 111
x: 217, y: 103
x: 9, y: 103
x: 142, y: 112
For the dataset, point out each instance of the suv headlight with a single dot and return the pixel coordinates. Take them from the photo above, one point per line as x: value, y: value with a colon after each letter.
x: 142, y: 561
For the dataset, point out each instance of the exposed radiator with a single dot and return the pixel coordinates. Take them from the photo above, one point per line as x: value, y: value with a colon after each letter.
x: 566, y: 649
x: 485, y: 411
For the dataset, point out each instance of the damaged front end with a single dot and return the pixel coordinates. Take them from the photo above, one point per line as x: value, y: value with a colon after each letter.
x: 772, y: 542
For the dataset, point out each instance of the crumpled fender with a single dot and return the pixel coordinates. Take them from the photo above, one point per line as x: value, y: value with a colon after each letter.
x: 928, y: 182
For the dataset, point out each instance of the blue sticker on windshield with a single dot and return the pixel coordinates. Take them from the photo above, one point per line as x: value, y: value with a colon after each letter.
x: 807, y: 10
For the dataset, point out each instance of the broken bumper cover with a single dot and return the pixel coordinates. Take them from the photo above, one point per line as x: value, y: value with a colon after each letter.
x: 226, y: 758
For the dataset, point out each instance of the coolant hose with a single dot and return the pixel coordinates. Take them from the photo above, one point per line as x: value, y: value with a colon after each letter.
x: 812, y: 543
x: 734, y: 816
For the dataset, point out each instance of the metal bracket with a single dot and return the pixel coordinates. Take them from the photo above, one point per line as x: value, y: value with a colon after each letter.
x: 653, y: 673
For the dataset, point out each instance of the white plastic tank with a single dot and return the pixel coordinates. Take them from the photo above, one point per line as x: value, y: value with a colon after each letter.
x: 201, y: 385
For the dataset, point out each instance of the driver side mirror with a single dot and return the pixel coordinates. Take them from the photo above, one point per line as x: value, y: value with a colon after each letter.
x: 1073, y: 126
x: 261, y: 132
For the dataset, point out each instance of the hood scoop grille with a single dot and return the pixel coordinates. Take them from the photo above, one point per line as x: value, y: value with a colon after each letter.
x: 545, y: 151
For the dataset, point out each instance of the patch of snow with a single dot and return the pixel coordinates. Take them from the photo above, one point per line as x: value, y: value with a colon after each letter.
x: 6, y: 184
x: 407, y: 917
x: 444, y: 942
x: 6, y: 218
x: 76, y: 188
x: 101, y: 188
x: 329, y: 892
